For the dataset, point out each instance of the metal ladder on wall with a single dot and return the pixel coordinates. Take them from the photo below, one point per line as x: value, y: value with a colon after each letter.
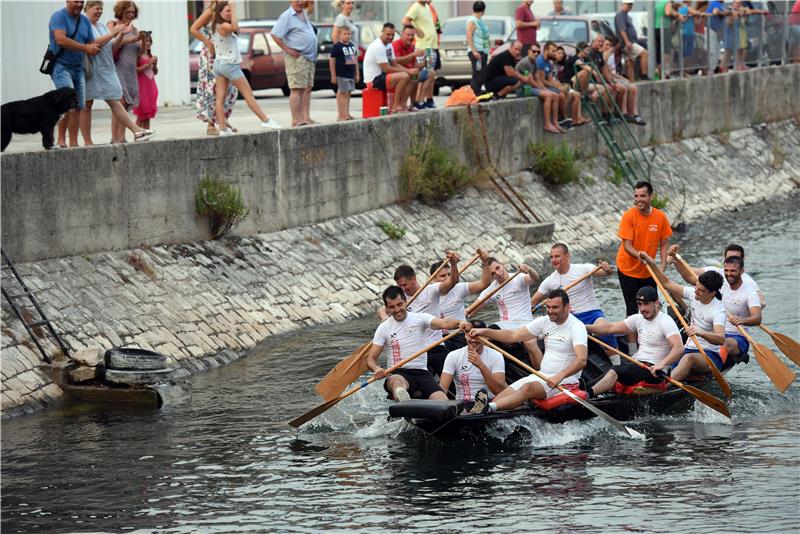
x: 627, y: 153
x: 20, y: 293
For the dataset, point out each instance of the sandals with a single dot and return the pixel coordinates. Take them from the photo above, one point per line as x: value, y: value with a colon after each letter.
x: 145, y: 135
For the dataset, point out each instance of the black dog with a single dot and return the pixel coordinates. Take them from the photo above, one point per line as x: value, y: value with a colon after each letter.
x: 38, y: 114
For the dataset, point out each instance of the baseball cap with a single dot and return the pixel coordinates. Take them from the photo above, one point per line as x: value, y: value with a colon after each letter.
x: 627, y: 1
x: 646, y: 294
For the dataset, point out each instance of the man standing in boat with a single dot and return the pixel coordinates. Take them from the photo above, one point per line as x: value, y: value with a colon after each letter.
x: 660, y: 344
x: 740, y: 299
x: 565, y: 354
x: 643, y: 228
x: 427, y: 302
x: 406, y: 333
x: 708, y: 319
x: 582, y: 300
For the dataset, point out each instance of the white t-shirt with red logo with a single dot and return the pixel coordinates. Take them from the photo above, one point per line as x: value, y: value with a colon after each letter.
x: 653, y: 336
x: 513, y: 301
x: 428, y: 302
x: 404, y: 338
x: 451, y: 304
x: 581, y: 296
x: 560, y: 341
x: 468, y: 378
x: 704, y: 318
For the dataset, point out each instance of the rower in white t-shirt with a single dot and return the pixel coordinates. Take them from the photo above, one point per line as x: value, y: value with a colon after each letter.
x: 472, y: 368
x: 565, y: 353
x: 659, y: 344
x: 405, y: 333
x: 513, y: 301
x: 582, y: 300
x: 708, y: 319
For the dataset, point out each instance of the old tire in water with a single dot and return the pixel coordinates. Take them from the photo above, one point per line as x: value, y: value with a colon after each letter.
x: 117, y: 377
x: 132, y: 359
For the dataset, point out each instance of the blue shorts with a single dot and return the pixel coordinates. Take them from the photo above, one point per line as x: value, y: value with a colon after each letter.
x: 231, y: 71
x: 590, y: 317
x: 70, y: 76
x: 713, y: 356
x: 744, y: 345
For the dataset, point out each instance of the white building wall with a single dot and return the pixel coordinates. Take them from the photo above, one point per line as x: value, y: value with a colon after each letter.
x: 23, y: 38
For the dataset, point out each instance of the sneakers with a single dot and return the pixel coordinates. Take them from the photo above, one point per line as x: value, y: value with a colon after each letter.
x: 401, y: 394
x: 481, y: 402
x: 227, y: 132
x: 484, y: 97
x: 143, y: 136
x: 420, y: 105
x: 429, y: 104
x: 638, y: 120
x: 271, y: 125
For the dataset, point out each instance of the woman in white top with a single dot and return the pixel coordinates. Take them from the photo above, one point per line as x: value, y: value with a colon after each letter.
x: 227, y: 67
x: 345, y: 20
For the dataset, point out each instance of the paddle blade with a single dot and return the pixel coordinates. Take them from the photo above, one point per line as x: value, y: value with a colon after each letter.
x: 631, y: 433
x: 777, y: 371
x: 345, y: 373
x: 788, y: 346
x: 706, y: 398
x: 308, y: 416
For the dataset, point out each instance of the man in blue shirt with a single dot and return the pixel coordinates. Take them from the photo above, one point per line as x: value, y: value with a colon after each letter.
x: 716, y: 23
x: 294, y: 33
x: 70, y: 40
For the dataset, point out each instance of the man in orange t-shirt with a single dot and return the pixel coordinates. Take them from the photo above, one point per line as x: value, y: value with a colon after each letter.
x: 646, y: 228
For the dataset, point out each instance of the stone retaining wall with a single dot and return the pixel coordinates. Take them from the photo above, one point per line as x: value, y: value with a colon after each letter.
x: 204, y: 303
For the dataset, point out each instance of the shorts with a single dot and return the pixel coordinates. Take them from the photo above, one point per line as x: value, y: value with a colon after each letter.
x: 741, y: 341
x: 345, y: 85
x: 299, y: 72
x: 630, y: 286
x: 496, y: 84
x: 629, y: 374
x: 70, y: 76
x: 516, y: 386
x: 231, y: 71
x: 435, y: 60
x: 381, y: 81
x: 794, y: 34
x: 421, y: 383
x: 633, y: 51
x: 591, y: 317
x: 713, y: 356
x: 533, y: 91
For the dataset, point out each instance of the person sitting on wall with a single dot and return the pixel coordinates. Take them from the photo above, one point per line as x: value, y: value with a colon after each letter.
x: 501, y: 77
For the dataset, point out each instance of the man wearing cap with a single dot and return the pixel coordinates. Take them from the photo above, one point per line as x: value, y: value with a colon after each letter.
x: 623, y: 25
x: 659, y: 342
x: 708, y: 319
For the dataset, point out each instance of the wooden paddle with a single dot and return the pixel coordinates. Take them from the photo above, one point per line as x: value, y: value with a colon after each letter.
x: 475, y: 306
x: 350, y: 368
x: 325, y: 406
x: 787, y: 345
x: 726, y: 389
x: 631, y: 433
x: 470, y: 262
x: 777, y: 371
x: 706, y: 398
x: 571, y: 285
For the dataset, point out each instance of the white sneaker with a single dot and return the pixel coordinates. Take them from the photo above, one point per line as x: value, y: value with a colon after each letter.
x: 271, y: 125
x: 144, y: 135
x: 401, y: 394
x: 226, y: 132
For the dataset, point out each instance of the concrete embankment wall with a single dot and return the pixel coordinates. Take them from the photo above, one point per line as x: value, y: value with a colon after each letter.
x: 107, y: 198
x: 204, y: 303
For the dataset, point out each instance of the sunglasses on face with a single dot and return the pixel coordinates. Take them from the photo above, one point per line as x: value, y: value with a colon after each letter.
x: 535, y: 51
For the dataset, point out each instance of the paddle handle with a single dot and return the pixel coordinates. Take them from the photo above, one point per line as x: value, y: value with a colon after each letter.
x: 630, y: 358
x: 430, y: 279
x: 574, y: 283
x: 685, y: 264
x: 478, y: 303
x: 742, y: 331
x: 711, y: 367
x: 519, y: 362
x: 469, y: 263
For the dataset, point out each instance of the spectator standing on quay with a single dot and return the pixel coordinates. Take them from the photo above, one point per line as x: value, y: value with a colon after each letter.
x: 623, y: 25
x: 406, y: 55
x: 227, y: 66
x: 206, y: 81
x: 148, y: 90
x: 420, y: 16
x: 643, y: 228
x: 501, y: 77
x: 478, y: 46
x: 344, y: 71
x: 526, y: 25
x: 527, y: 67
x: 104, y: 84
x: 716, y: 24
x: 385, y: 74
x: 294, y: 34
x: 345, y: 20
x: 70, y: 41
x: 126, y: 57
x: 559, y: 10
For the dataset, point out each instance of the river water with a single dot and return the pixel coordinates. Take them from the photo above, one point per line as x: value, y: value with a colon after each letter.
x: 226, y: 460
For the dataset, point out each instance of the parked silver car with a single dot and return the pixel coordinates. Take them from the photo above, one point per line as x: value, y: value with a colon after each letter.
x: 456, y: 69
x: 566, y: 31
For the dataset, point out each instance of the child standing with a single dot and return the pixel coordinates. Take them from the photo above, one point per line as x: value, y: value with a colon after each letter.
x: 146, y: 70
x: 343, y: 63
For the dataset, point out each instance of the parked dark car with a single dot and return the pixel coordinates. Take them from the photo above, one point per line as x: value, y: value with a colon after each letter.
x: 368, y: 31
x: 262, y: 59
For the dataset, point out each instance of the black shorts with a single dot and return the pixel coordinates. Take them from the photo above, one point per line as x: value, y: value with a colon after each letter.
x: 630, y: 286
x: 379, y: 82
x: 629, y: 373
x: 421, y: 383
x: 496, y: 84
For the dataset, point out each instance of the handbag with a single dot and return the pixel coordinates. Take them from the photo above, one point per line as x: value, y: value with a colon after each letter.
x: 49, y: 59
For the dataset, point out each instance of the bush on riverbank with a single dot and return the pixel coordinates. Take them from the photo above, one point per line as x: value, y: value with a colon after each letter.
x: 222, y: 203
x: 430, y: 173
x: 554, y: 163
